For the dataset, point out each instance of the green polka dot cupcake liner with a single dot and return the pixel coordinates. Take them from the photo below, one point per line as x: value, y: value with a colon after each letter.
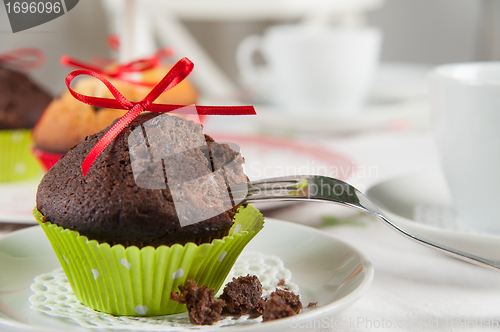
x: 16, y: 161
x: 129, y: 281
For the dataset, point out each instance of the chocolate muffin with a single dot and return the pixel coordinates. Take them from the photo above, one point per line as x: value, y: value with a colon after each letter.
x: 21, y: 101
x: 142, y: 189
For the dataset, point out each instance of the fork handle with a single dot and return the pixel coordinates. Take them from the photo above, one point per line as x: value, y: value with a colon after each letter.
x: 331, y: 190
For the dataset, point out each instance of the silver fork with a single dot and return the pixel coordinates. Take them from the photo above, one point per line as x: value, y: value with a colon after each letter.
x: 325, y: 189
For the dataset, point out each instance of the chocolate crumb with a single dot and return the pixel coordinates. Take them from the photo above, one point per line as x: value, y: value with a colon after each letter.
x: 282, y: 284
x: 202, y: 308
x: 243, y: 296
x: 290, y: 299
x: 312, y: 304
x: 276, y: 308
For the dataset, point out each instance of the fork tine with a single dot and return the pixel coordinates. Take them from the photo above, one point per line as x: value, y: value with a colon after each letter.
x: 269, y: 189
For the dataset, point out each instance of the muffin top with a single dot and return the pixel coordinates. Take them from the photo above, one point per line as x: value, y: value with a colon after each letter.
x: 21, y: 101
x: 161, y: 181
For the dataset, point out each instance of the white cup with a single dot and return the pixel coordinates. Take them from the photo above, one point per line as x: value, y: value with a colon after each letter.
x: 466, y: 105
x: 310, y: 67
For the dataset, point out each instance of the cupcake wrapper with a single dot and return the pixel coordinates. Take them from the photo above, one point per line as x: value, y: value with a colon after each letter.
x: 16, y: 161
x: 45, y: 158
x: 138, y: 282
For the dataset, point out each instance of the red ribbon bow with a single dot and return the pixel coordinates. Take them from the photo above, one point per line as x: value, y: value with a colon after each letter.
x: 120, y: 71
x: 24, y: 58
x: 178, y: 72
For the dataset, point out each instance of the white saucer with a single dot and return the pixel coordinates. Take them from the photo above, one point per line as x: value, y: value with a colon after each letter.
x: 395, y: 114
x: 400, y: 197
x: 398, y: 99
x: 327, y: 271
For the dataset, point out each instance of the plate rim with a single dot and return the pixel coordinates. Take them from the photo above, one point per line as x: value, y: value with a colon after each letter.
x: 393, y: 214
x: 20, y: 218
x: 319, y: 312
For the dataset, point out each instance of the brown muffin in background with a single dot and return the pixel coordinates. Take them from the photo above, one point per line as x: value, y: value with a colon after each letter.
x: 21, y: 101
x: 67, y: 121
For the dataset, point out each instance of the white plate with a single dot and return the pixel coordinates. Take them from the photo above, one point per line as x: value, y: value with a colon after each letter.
x: 17, y: 200
x: 327, y: 271
x: 399, y: 198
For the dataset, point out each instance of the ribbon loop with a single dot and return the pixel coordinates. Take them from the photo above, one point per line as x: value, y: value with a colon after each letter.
x: 120, y: 102
x: 24, y: 58
x: 178, y: 73
x: 120, y: 71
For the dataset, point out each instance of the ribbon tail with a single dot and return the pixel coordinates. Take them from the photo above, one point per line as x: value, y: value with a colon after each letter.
x: 24, y: 58
x: 68, y: 61
x: 109, y: 136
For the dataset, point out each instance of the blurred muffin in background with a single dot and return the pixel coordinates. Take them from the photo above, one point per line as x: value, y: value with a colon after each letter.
x: 21, y: 104
x: 67, y: 121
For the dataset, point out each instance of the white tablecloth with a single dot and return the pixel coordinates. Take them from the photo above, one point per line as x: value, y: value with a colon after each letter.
x: 415, y: 288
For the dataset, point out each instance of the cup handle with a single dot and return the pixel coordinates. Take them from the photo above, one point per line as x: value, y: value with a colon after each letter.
x: 252, y: 77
